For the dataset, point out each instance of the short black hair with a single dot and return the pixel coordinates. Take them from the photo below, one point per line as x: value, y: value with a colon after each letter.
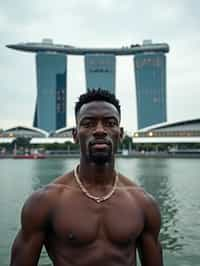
x: 97, y: 95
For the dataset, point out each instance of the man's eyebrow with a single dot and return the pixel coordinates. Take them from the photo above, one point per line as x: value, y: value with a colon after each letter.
x: 110, y: 116
x: 88, y: 117
x: 94, y: 117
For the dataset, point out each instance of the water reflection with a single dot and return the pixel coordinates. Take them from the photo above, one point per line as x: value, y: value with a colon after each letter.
x: 45, y: 171
x: 154, y: 177
x: 173, y: 182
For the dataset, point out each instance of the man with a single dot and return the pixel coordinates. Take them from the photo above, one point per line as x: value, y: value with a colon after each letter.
x: 92, y: 216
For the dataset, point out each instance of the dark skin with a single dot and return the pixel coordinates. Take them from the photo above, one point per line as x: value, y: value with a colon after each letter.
x: 75, y: 229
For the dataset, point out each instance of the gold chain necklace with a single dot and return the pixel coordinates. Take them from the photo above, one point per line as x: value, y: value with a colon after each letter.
x: 86, y: 192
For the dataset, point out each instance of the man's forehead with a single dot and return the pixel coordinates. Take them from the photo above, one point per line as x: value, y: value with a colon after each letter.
x: 100, y: 107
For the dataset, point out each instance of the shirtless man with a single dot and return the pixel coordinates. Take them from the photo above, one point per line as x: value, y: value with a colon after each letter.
x: 91, y: 216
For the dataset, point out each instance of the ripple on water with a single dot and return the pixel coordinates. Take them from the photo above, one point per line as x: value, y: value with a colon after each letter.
x: 174, y: 183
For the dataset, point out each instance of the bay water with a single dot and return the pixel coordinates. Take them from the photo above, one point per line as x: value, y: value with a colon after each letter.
x: 175, y: 184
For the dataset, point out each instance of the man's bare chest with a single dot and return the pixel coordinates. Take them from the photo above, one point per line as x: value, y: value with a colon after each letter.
x: 79, y: 220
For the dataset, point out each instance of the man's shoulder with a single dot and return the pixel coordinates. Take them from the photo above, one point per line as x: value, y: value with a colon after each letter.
x: 125, y: 181
x: 131, y: 186
x: 63, y: 181
x: 41, y: 200
x: 47, y: 196
x: 145, y: 200
x: 149, y: 207
x: 36, y: 209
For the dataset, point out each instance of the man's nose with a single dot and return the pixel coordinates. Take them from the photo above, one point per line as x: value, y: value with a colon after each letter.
x: 99, y: 129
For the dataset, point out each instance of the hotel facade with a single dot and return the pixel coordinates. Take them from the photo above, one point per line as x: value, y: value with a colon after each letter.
x: 50, y: 107
x: 100, y: 72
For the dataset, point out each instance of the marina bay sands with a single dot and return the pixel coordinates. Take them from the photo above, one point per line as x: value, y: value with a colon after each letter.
x: 100, y: 71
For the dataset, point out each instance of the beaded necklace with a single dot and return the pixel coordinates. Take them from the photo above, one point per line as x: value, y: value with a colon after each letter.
x: 87, y: 193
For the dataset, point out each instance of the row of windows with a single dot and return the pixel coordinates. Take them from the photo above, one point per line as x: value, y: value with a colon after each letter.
x: 155, y: 75
x: 139, y: 63
x: 62, y: 134
x: 60, y: 99
x: 13, y: 135
x: 99, y: 89
x: 150, y: 91
x: 100, y: 70
x: 69, y: 134
x: 100, y: 62
x: 60, y: 107
x: 168, y: 134
x: 60, y: 91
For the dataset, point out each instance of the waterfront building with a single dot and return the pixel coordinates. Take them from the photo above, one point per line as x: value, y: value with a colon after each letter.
x: 186, y: 131
x: 100, y: 71
x: 150, y: 79
x: 50, y: 108
x: 24, y: 132
x: 36, y: 135
x: 63, y: 133
x: 60, y: 136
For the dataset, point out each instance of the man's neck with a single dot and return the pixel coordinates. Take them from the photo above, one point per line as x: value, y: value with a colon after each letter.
x: 97, y: 175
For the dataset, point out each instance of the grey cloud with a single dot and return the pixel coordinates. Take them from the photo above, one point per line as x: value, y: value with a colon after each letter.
x: 20, y: 12
x: 99, y: 23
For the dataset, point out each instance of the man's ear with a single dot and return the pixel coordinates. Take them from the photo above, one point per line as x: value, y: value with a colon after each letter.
x: 121, y: 133
x: 75, y: 135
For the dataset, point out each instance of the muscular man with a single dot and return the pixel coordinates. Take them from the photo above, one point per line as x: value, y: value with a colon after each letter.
x: 93, y: 215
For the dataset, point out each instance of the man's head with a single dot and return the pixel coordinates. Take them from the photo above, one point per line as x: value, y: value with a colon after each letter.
x: 97, y: 95
x: 97, y: 125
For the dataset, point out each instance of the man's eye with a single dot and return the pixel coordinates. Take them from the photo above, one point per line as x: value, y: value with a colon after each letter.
x: 111, y: 123
x: 87, y: 123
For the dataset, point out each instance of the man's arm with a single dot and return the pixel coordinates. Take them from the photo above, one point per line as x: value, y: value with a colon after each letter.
x: 149, y: 248
x: 29, y: 240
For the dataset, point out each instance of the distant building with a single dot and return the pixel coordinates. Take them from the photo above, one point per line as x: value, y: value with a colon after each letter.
x: 150, y: 78
x: 187, y: 131
x: 50, y: 108
x: 36, y: 135
x: 100, y: 71
x: 23, y: 132
x: 63, y: 133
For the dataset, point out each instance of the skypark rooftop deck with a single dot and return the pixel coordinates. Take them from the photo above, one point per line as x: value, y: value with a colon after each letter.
x: 47, y: 45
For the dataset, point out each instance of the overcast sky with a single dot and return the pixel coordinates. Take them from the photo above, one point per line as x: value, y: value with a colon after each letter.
x: 99, y: 23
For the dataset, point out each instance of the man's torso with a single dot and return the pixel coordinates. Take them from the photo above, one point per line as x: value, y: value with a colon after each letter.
x: 83, y: 232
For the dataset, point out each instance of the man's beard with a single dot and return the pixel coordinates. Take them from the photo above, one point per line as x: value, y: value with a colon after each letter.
x: 100, y: 157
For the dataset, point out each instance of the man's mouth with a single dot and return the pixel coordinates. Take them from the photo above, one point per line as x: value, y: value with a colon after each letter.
x: 100, y: 144
x: 100, y: 150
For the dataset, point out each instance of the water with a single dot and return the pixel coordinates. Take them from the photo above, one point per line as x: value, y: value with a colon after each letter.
x: 175, y: 184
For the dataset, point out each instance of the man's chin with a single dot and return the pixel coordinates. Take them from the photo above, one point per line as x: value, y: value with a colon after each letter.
x: 100, y: 159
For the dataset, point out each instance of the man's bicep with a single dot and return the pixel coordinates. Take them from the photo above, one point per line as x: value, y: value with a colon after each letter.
x: 28, y: 243
x: 26, y: 248
x: 150, y: 251
x: 149, y: 246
